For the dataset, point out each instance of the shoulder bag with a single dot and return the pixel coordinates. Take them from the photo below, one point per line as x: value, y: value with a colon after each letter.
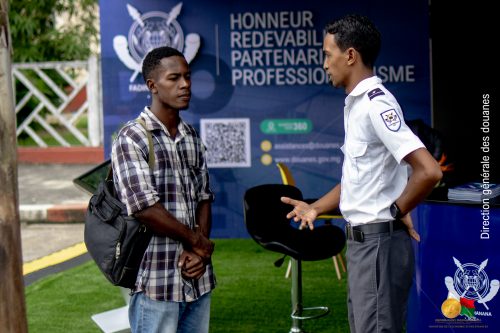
x: 117, y: 242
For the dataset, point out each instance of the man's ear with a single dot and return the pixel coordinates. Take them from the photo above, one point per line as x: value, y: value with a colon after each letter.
x: 151, y: 86
x: 352, y: 56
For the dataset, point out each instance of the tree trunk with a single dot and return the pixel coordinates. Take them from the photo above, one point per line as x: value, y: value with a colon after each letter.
x: 12, y: 306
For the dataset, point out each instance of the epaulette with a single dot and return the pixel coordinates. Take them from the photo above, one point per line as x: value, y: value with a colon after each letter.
x: 374, y: 93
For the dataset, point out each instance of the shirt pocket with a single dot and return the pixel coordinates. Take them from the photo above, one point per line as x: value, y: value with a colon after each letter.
x: 360, y: 164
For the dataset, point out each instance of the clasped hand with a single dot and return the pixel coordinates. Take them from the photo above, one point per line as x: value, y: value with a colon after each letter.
x: 194, y: 259
x: 202, y: 246
x: 192, y: 265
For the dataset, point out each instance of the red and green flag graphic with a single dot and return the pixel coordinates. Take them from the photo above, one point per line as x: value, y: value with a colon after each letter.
x: 467, y: 307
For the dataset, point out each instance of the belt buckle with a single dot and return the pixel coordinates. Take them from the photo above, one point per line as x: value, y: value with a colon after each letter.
x: 354, y: 234
x: 348, y: 230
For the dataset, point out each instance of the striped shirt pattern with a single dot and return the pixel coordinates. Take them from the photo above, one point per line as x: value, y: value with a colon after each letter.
x: 179, y: 182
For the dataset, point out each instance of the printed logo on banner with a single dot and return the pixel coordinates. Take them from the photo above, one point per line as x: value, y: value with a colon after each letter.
x: 150, y: 30
x: 469, y: 291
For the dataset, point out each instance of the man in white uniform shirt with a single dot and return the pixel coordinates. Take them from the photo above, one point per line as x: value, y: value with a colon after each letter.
x: 376, y: 192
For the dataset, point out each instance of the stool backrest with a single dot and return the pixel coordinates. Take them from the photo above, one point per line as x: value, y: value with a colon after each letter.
x: 266, y: 222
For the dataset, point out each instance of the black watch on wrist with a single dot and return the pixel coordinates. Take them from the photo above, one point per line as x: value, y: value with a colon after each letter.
x: 395, y: 211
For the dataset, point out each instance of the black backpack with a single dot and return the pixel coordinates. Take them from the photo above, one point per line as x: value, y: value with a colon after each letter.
x: 117, y: 242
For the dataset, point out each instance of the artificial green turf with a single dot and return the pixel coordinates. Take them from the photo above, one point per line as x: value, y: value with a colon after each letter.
x: 64, y: 302
x: 251, y: 296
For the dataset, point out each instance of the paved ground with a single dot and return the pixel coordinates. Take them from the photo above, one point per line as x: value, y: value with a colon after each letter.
x: 41, y: 184
x: 41, y: 187
x: 41, y: 239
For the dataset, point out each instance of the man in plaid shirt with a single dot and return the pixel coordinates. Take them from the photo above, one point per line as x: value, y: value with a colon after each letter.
x: 173, y: 286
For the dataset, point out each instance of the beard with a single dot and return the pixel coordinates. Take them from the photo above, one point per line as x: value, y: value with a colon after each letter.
x: 331, y: 83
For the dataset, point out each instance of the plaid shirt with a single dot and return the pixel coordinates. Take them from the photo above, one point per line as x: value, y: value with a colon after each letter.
x: 179, y: 182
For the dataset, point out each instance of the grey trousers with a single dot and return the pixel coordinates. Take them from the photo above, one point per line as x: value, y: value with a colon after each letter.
x: 380, y: 274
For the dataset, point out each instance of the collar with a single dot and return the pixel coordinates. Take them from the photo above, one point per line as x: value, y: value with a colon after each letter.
x: 362, y: 87
x: 153, y: 123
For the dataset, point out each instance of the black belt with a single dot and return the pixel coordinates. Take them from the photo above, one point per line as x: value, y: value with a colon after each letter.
x: 358, y: 232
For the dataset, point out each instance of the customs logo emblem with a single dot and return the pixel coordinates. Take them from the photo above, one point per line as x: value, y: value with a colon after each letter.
x: 151, y: 30
x: 470, y: 284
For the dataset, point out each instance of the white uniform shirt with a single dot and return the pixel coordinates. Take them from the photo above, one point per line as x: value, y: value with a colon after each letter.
x: 376, y: 140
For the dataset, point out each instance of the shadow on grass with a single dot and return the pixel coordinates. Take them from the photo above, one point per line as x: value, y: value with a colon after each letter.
x: 251, y: 296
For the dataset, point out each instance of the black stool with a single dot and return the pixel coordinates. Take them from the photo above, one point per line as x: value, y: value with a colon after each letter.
x: 266, y: 222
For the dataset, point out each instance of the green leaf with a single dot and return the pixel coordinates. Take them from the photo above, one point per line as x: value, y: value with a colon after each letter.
x: 36, y: 38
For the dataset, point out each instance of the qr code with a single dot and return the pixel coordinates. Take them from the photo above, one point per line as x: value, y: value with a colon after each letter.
x: 227, y: 141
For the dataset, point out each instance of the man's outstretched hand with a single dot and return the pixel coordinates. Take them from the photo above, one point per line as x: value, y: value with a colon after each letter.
x: 302, y: 212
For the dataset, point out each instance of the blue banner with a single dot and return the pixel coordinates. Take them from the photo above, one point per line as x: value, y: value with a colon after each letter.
x: 457, y: 269
x: 259, y: 93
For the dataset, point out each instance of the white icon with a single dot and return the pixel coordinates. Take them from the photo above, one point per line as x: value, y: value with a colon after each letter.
x: 448, y: 281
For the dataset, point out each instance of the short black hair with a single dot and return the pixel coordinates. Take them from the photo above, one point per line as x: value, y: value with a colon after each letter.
x: 153, y: 58
x: 359, y: 32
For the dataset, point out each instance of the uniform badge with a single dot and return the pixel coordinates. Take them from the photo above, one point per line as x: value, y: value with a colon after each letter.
x: 391, y: 120
x: 374, y: 93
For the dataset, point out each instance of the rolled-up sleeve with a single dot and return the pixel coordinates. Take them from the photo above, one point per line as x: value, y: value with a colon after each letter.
x: 203, y: 177
x: 205, y: 192
x: 134, y: 181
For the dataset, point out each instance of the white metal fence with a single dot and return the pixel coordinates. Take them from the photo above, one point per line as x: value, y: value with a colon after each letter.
x: 43, y: 92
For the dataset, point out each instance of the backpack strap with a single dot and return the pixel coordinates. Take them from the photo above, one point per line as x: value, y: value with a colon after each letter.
x: 151, y: 157
x: 151, y: 160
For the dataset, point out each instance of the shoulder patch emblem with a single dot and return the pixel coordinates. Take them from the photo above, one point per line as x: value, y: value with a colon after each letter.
x: 374, y: 93
x: 391, y: 120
